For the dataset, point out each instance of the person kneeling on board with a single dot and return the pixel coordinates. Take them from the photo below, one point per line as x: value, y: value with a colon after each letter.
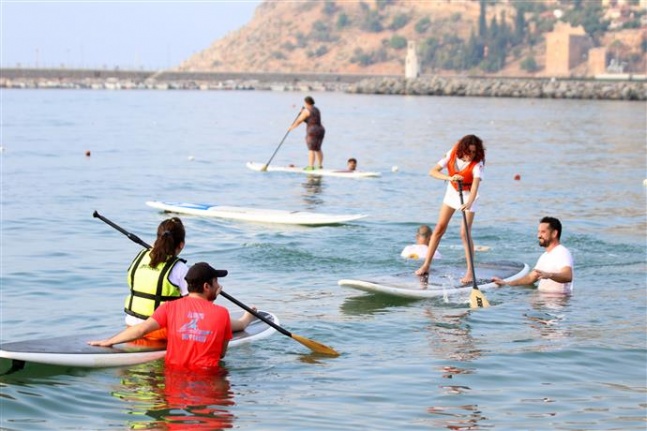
x: 157, y: 276
x: 419, y: 249
x: 198, y: 330
x: 554, y: 269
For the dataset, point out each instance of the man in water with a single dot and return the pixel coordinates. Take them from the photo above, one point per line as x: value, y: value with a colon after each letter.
x: 554, y: 269
x: 198, y: 330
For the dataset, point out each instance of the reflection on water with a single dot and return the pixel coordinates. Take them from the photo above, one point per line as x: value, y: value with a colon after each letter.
x: 312, y: 189
x: 465, y: 417
x: 372, y: 304
x: 451, y: 338
x: 548, y: 317
x: 176, y: 399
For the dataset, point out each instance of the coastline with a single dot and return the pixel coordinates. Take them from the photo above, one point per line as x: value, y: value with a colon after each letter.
x: 610, y: 88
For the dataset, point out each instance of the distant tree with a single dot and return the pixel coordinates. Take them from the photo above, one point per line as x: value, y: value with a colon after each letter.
x: 423, y: 25
x: 288, y: 46
x: 519, y: 32
x: 381, y: 4
x: 321, y: 33
x: 399, y: 21
x: 371, y: 22
x: 320, y: 51
x: 473, y: 51
x: 359, y: 56
x: 398, y: 42
x: 589, y: 16
x: 329, y: 8
x: 342, y: 21
x: 482, y: 20
x: 529, y: 64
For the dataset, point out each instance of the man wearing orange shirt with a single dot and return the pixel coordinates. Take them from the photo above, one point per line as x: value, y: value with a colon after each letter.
x: 198, y: 331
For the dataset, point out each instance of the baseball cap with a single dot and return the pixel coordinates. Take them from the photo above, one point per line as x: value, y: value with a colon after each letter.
x: 202, y: 272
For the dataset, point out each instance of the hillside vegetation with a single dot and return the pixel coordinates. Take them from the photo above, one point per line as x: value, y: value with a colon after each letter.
x: 370, y: 37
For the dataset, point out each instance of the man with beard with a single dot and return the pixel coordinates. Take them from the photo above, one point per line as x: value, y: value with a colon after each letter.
x: 554, y: 269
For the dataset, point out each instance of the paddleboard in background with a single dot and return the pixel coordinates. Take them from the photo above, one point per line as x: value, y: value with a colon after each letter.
x: 341, y: 173
x: 443, y: 280
x: 303, y: 218
x: 74, y: 351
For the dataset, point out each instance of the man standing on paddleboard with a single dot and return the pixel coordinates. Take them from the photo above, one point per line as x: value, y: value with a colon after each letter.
x: 315, y: 132
x: 198, y: 331
x: 554, y: 269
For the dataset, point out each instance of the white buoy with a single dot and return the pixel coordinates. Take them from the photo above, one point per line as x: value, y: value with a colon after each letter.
x: 645, y: 182
x: 395, y: 169
x: 191, y: 158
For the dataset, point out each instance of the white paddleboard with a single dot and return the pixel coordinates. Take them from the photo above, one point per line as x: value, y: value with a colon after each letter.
x: 303, y: 218
x: 341, y: 173
x: 74, y: 351
x: 443, y: 280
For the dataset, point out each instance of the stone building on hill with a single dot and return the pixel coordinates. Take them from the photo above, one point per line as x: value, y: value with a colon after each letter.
x: 566, y: 48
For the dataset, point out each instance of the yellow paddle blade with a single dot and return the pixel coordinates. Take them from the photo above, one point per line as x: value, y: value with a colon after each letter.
x: 315, y: 346
x: 264, y: 168
x: 478, y: 300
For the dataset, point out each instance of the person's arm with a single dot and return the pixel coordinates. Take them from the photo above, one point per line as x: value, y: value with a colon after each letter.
x: 129, y: 334
x: 526, y: 280
x: 436, y: 173
x: 244, y: 321
x: 473, y: 193
x: 300, y: 119
x: 565, y: 275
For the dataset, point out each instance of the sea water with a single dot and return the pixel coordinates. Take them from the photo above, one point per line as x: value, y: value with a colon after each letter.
x: 527, y: 362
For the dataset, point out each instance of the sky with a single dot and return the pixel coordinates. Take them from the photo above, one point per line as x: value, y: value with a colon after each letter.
x: 130, y: 35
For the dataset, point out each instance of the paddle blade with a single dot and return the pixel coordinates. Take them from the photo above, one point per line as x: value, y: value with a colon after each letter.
x: 264, y: 168
x: 478, y: 300
x: 315, y: 346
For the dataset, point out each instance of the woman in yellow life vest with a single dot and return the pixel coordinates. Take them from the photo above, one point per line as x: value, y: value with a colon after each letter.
x: 464, y: 162
x: 157, y: 275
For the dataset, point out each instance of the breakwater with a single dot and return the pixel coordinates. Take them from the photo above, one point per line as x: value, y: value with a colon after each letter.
x: 600, y: 89
x: 508, y: 87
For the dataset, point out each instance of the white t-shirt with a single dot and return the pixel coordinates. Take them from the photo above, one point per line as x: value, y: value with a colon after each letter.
x: 418, y: 251
x: 554, y: 261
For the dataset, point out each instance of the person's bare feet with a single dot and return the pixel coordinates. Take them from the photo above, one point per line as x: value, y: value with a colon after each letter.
x: 467, y: 279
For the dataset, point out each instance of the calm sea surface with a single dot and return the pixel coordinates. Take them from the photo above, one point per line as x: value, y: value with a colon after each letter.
x: 528, y: 362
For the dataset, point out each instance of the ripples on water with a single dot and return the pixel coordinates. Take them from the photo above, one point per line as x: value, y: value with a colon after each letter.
x: 528, y: 362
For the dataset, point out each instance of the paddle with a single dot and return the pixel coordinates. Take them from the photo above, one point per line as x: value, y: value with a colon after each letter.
x: 311, y: 344
x: 477, y: 299
x: 264, y: 168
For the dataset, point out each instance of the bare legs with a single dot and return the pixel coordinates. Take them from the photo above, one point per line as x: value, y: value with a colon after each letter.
x: 312, y: 155
x: 444, y: 216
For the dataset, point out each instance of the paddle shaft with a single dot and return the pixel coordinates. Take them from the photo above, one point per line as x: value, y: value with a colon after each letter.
x: 468, y: 236
x: 311, y: 344
x: 139, y: 241
x: 282, y: 140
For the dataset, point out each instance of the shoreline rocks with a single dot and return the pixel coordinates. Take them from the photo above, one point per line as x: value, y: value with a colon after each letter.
x: 461, y: 86
x: 505, y: 87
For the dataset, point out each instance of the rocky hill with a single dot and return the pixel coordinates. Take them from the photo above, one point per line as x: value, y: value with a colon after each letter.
x: 370, y: 37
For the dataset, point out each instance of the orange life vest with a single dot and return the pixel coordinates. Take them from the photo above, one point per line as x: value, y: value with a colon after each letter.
x: 466, y: 173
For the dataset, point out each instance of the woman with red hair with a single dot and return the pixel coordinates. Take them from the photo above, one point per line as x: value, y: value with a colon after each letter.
x: 464, y: 163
